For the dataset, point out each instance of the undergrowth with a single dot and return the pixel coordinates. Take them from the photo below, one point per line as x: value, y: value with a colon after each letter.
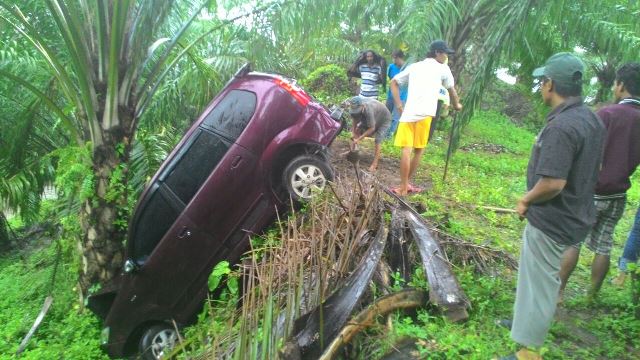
x: 66, y: 332
x: 476, y: 178
x: 479, y: 178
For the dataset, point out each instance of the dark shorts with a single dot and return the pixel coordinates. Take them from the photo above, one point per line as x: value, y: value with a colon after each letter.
x: 379, y: 135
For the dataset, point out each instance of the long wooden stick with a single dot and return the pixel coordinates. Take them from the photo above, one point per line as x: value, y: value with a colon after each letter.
x: 449, y: 148
x: 497, y: 209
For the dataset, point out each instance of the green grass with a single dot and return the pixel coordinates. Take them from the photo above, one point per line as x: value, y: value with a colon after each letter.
x: 474, y: 178
x: 489, y: 179
x: 65, y: 333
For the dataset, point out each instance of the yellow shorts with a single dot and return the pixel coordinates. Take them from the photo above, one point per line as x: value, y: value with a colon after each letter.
x: 413, y: 134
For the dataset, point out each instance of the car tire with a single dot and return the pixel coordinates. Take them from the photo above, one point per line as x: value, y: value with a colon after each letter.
x: 157, y: 341
x: 305, y: 175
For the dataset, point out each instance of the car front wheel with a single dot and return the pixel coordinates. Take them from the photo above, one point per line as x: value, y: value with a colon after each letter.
x: 306, y: 175
x: 157, y: 341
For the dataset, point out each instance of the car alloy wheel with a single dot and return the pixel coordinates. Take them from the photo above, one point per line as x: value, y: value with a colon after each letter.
x: 157, y: 341
x: 305, y: 175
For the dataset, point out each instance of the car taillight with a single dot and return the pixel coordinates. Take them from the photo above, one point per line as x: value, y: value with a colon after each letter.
x: 297, y: 93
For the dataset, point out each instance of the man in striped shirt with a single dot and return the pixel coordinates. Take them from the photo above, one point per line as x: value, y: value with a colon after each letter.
x: 369, y: 67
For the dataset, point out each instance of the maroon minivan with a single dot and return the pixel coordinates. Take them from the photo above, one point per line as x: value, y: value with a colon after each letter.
x: 260, y: 142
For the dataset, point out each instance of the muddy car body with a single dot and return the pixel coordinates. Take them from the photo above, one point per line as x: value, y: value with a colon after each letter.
x: 260, y: 141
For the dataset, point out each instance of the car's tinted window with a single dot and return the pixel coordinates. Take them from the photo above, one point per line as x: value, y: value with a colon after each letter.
x: 232, y: 114
x: 196, y: 164
x: 156, y: 218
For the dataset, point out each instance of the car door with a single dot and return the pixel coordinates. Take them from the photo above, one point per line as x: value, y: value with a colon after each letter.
x: 209, y: 184
x: 187, y: 171
x: 166, y: 238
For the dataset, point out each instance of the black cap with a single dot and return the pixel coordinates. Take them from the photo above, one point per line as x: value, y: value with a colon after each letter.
x: 440, y: 45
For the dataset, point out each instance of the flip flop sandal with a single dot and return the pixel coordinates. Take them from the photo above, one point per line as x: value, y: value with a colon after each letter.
x: 396, y: 191
x: 415, y: 189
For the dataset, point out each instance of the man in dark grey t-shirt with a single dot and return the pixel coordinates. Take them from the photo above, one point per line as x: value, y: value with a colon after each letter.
x: 370, y: 118
x: 561, y: 176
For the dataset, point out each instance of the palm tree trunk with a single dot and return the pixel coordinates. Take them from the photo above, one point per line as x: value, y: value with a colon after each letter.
x: 103, y: 216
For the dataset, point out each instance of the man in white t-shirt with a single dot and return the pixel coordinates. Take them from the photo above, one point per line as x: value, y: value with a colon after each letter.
x: 424, y: 78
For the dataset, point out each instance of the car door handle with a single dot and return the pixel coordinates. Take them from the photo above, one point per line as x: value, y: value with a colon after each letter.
x: 236, y: 162
x: 184, y: 233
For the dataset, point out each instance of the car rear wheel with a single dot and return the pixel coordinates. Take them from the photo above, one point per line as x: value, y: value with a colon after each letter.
x: 157, y: 341
x: 306, y: 175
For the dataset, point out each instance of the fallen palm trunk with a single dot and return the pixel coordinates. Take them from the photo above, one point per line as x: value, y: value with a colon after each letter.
x: 444, y: 290
x: 408, y: 298
x: 398, y: 250
x: 313, y: 330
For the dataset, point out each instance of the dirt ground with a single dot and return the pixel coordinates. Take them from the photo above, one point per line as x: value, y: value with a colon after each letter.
x: 388, y: 166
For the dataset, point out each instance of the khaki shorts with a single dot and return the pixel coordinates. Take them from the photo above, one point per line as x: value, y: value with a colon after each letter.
x: 413, y: 134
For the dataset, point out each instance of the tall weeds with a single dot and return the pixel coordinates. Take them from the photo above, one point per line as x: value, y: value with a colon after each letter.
x: 282, y: 280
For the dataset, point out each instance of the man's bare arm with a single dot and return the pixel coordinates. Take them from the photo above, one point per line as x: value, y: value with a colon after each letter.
x: 544, y: 190
x: 369, y: 131
x: 395, y: 92
x: 455, y: 100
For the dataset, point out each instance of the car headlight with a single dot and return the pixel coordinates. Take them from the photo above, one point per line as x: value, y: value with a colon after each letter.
x: 104, y: 336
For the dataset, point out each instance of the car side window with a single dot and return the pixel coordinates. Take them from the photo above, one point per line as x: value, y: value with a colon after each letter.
x: 232, y: 114
x: 195, y: 166
x: 155, y: 220
x: 190, y: 170
x: 185, y: 178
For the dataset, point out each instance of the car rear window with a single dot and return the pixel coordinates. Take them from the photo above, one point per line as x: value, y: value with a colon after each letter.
x: 232, y: 114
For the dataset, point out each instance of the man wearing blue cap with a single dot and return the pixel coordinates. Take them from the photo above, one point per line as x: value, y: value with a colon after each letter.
x: 561, y: 177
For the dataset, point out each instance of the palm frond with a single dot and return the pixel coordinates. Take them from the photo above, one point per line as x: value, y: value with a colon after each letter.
x: 146, y: 89
x: 149, y: 150
x: 68, y: 122
x: 23, y: 26
x: 503, y: 34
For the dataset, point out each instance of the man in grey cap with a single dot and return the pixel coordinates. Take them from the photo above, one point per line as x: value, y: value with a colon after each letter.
x: 561, y: 177
x: 370, y: 118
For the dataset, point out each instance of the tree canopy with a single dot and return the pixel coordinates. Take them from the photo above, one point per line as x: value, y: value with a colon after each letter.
x: 120, y: 79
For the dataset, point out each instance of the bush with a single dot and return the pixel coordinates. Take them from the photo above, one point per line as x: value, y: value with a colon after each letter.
x: 523, y: 107
x: 26, y: 279
x: 329, y: 84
